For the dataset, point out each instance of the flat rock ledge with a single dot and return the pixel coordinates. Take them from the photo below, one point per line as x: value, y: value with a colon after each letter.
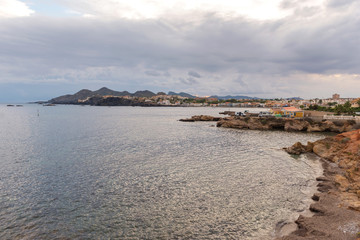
x: 201, y: 118
x: 286, y: 124
x: 336, y: 205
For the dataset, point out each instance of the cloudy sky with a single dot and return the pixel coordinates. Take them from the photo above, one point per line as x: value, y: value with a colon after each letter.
x: 277, y: 48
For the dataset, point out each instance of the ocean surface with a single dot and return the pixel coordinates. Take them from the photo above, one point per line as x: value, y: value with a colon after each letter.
x: 72, y: 172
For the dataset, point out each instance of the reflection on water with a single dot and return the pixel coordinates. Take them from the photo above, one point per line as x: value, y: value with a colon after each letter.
x: 137, y: 173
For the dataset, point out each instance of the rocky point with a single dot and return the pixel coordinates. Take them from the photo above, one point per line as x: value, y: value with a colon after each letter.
x: 343, y: 150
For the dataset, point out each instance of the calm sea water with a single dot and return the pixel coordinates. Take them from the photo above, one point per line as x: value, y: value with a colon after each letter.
x: 71, y: 172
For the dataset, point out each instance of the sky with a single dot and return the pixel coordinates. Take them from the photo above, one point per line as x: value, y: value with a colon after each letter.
x: 258, y: 48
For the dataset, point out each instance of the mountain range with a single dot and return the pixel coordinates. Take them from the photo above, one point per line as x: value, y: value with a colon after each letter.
x: 182, y: 94
x: 85, y: 93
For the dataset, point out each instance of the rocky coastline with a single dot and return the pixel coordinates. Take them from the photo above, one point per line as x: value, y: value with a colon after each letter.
x: 336, y: 205
x: 286, y: 124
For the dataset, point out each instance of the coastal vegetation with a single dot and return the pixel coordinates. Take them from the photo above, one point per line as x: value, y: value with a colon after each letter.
x: 338, y: 109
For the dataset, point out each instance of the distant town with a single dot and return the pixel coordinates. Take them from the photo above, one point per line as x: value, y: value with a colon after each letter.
x: 312, y: 104
x: 108, y: 97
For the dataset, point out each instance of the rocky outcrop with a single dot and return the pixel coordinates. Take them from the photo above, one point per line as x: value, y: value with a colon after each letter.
x: 201, y: 118
x: 253, y: 123
x: 258, y: 123
x: 344, y: 151
x: 230, y: 113
x: 299, y: 148
x: 338, y: 190
x: 287, y: 124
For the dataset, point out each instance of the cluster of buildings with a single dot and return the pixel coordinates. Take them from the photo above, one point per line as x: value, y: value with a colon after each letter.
x: 175, y: 100
x: 291, y: 112
x: 334, y: 100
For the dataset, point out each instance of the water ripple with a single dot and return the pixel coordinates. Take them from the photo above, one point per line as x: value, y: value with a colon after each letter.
x: 137, y: 173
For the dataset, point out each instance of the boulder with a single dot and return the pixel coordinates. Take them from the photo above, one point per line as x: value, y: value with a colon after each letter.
x: 321, y: 150
x: 296, y: 149
x: 203, y: 118
x: 296, y: 125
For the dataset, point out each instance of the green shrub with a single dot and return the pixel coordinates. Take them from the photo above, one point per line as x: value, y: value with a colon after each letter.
x: 263, y: 121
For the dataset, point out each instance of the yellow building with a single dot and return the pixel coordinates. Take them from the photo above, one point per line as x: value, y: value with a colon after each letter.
x: 292, y: 112
x: 276, y: 111
x: 354, y: 103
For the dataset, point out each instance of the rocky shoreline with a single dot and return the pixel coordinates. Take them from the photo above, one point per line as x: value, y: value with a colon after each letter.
x: 336, y: 205
x: 286, y: 124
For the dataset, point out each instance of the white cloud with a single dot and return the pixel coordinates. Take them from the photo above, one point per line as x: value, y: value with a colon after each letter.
x: 14, y: 8
x: 151, y: 9
x: 179, y: 50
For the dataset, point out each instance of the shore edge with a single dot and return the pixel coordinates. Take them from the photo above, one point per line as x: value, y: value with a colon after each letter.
x: 336, y: 216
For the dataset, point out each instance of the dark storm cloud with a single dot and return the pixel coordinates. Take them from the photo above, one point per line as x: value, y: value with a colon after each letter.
x: 37, y: 49
x: 212, y: 46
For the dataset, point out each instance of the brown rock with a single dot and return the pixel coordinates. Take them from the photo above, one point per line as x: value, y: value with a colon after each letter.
x: 317, y: 208
x: 342, y: 182
x: 315, y: 197
x: 201, y: 118
x: 337, y: 205
x: 296, y: 149
x: 310, y: 147
x: 187, y: 120
x: 296, y: 125
x: 322, y: 179
x: 321, y: 149
x: 258, y: 123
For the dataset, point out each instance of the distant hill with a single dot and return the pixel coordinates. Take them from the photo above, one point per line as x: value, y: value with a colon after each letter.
x: 233, y: 97
x: 85, y: 93
x: 106, y: 91
x: 295, y: 98
x: 145, y: 93
x: 182, y: 94
x: 82, y: 94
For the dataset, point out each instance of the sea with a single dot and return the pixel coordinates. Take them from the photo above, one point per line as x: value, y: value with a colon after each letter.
x: 86, y: 172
